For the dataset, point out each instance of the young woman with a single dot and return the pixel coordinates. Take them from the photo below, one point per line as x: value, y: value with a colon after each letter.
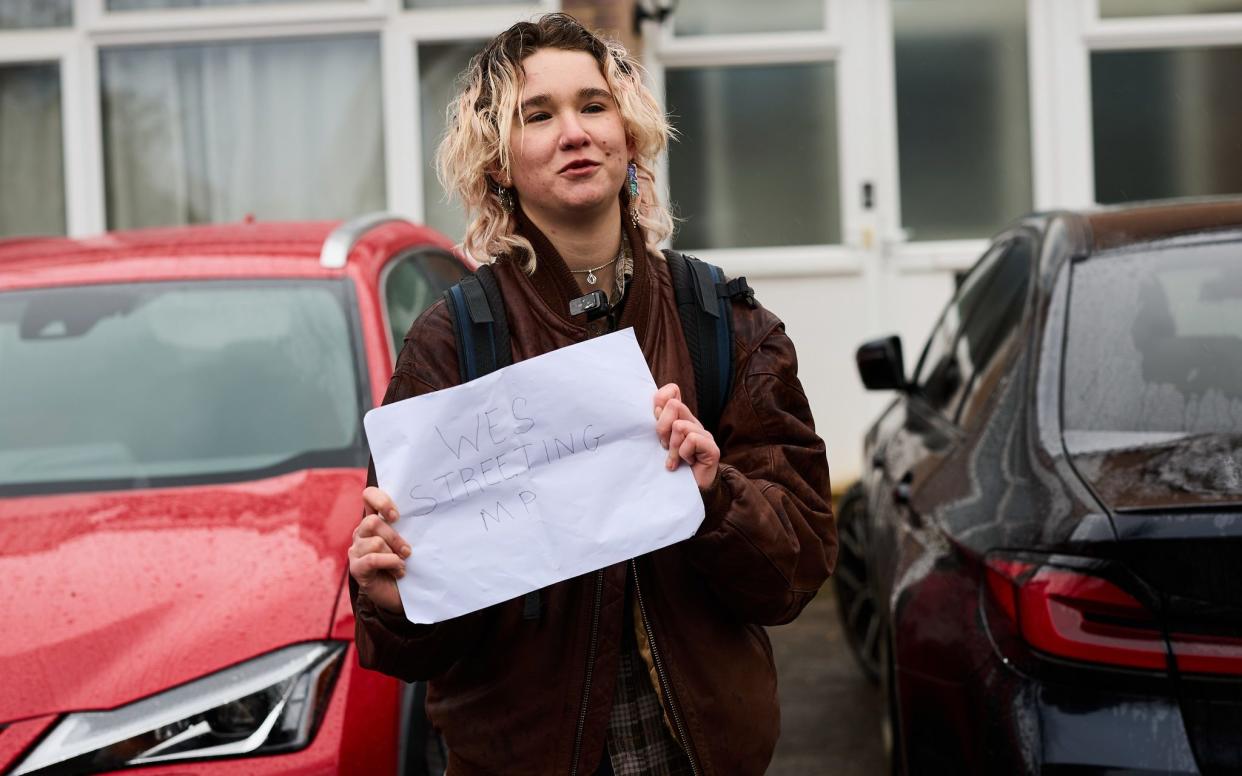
x: 660, y: 665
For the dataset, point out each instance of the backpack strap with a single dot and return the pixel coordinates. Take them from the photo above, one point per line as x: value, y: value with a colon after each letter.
x: 703, y: 303
x: 480, y: 326
x: 481, y: 330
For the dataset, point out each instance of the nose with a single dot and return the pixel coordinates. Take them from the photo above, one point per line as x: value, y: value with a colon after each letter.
x: 573, y: 135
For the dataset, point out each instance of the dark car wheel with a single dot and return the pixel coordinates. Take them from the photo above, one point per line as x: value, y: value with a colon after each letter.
x: 855, y: 602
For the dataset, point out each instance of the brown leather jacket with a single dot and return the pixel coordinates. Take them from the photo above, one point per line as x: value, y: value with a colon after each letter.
x: 533, y: 696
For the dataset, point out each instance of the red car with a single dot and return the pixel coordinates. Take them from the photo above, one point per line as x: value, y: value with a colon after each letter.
x: 181, y: 460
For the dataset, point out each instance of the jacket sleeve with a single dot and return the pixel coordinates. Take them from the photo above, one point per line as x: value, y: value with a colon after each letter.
x: 388, y: 642
x: 768, y: 540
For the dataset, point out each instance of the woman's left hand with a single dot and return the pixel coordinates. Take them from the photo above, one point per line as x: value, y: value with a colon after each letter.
x: 684, y: 437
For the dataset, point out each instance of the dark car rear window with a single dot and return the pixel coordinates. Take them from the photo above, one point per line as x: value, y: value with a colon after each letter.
x: 1154, y: 344
x: 175, y: 383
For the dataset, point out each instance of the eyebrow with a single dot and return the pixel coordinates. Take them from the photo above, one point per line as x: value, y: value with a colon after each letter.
x: 543, y: 100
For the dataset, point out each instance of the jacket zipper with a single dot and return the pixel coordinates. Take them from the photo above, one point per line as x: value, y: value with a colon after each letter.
x: 664, y: 683
x: 586, y: 690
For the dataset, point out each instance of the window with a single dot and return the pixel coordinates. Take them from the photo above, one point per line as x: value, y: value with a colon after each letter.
x: 459, y: 3
x: 32, y: 176
x: 963, y: 116
x: 412, y: 284
x: 439, y: 64
x: 984, y: 312
x: 33, y: 14
x: 1166, y: 123
x: 1166, y: 7
x: 134, y: 5
x: 1154, y: 343
x: 281, y: 129
x: 716, y: 17
x: 756, y: 164
x: 169, y: 383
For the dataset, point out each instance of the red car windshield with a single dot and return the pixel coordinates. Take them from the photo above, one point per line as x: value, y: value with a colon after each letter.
x: 150, y: 384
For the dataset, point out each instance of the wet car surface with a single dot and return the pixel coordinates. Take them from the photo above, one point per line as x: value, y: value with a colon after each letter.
x: 1039, y: 564
x: 181, y: 458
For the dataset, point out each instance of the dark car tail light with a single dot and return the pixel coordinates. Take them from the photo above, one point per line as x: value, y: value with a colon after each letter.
x: 1207, y: 654
x: 1073, y: 614
x: 1077, y: 614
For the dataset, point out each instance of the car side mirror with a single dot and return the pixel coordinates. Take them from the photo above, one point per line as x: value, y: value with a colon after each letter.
x: 881, y: 364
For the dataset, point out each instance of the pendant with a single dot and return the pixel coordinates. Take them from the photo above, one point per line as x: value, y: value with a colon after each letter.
x: 591, y: 277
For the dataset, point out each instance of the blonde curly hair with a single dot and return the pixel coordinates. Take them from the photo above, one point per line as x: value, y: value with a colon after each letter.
x: 482, y: 116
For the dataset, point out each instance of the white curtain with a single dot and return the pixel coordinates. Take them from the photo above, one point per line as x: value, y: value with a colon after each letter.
x: 32, y: 179
x: 211, y: 133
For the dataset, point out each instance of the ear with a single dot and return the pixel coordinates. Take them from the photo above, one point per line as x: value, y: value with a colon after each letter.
x: 496, y: 178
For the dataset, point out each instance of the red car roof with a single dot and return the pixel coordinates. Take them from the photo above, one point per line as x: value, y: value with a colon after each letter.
x: 259, y: 249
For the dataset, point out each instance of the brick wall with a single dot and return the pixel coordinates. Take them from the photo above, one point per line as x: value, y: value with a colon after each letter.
x: 615, y: 18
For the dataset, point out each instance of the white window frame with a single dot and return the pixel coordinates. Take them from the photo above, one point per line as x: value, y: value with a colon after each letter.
x: 76, y: 51
x: 1063, y: 37
x: 856, y: 112
x: 61, y: 47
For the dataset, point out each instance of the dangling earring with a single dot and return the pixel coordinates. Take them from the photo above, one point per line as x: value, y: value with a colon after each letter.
x: 506, y: 198
x: 631, y: 176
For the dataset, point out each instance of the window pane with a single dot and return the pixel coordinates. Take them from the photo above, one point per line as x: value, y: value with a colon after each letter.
x: 756, y: 164
x: 456, y: 3
x: 138, y: 5
x: 282, y: 130
x: 25, y: 14
x: 717, y: 17
x: 413, y: 285
x: 1166, y: 7
x: 32, y: 171
x: 1166, y: 123
x: 438, y: 66
x: 172, y: 380
x: 963, y: 117
x: 1154, y: 343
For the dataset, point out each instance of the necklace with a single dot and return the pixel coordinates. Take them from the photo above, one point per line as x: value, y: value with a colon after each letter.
x: 590, y: 273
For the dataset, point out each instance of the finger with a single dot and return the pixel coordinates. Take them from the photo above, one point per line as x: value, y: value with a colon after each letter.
x: 374, y: 525
x: 666, y: 392
x: 673, y: 411
x: 365, y: 568
x: 368, y: 544
x: 681, y: 428
x: 699, y: 448
x: 379, y: 502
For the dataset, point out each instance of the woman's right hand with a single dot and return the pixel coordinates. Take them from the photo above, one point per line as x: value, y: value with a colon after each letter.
x: 377, y: 555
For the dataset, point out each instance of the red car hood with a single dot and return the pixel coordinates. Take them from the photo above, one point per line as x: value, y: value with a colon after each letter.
x: 109, y: 597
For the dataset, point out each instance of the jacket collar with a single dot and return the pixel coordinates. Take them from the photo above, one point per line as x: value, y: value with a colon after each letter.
x: 553, y: 283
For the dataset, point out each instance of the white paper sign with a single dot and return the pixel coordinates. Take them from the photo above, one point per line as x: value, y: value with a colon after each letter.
x: 536, y: 473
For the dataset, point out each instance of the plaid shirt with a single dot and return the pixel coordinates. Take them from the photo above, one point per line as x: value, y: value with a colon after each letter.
x: 639, y: 743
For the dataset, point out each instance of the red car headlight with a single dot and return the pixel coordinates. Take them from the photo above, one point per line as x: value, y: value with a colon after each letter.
x: 269, y: 704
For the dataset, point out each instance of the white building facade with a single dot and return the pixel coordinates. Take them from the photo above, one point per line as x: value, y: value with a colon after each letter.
x: 847, y: 156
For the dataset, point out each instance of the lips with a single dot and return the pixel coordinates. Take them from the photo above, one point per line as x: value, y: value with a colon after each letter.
x: 579, y: 164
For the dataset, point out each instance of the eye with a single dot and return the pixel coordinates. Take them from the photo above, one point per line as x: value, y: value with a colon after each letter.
x: 537, y: 117
x: 594, y: 107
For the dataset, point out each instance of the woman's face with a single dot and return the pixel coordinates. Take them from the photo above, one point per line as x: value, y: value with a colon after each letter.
x: 569, y: 152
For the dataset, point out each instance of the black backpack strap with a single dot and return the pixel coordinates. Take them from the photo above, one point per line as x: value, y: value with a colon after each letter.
x: 703, y: 302
x: 481, y: 330
x: 479, y: 324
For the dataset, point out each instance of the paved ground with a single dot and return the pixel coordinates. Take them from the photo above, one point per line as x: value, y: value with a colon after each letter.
x: 829, y: 712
